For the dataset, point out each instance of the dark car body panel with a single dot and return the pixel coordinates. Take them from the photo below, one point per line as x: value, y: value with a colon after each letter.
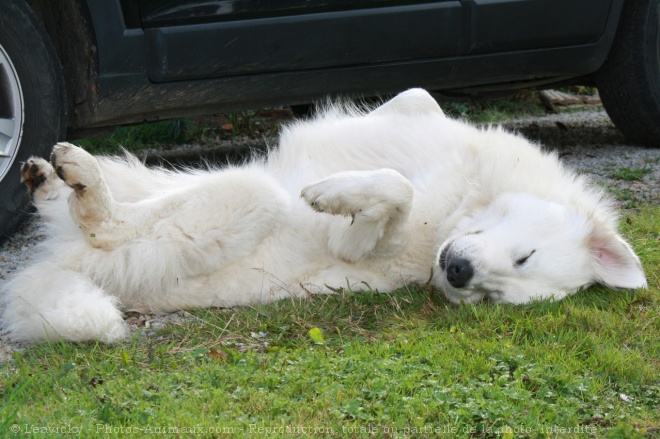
x: 168, y: 58
x: 304, y: 42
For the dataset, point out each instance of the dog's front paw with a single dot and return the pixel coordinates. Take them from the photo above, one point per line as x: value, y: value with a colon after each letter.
x: 325, y: 197
x: 372, y: 195
x: 75, y: 166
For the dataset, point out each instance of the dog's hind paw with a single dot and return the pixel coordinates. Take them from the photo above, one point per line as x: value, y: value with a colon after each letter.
x: 40, y: 179
x: 35, y: 172
x: 75, y: 166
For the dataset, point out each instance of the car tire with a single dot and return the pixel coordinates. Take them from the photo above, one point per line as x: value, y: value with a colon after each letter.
x: 32, y: 104
x: 629, y: 81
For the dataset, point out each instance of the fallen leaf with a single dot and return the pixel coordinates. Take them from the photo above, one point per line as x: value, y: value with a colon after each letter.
x: 218, y: 355
x: 316, y: 335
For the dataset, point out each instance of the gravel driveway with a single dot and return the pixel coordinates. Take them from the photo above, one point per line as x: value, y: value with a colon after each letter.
x: 586, y: 141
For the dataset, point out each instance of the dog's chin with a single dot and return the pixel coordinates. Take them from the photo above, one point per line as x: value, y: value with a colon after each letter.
x: 466, y: 297
x: 459, y: 295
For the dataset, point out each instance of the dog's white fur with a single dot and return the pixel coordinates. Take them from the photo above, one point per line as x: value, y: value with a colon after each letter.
x: 386, y: 195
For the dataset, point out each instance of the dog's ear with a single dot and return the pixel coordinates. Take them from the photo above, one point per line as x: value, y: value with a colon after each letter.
x: 615, y: 263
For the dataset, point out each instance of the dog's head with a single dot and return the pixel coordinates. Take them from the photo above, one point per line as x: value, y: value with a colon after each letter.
x: 522, y: 247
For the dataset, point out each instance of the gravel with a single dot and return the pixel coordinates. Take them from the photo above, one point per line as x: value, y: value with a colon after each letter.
x: 586, y: 141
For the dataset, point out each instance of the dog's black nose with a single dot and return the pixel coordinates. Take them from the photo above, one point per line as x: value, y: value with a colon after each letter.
x: 459, y: 272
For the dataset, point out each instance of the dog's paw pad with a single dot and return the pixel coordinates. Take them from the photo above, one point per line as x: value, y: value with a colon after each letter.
x: 35, y: 172
x: 75, y: 166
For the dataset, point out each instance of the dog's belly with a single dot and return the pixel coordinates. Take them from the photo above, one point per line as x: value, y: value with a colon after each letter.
x: 285, y: 267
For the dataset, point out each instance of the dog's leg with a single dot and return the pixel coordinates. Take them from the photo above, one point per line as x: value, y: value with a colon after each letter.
x: 91, y: 203
x: 378, y: 205
x: 194, y: 229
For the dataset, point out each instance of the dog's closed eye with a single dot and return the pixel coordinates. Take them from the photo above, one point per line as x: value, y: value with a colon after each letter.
x: 521, y: 261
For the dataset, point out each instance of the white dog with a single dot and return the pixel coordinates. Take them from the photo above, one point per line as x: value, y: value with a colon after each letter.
x: 381, y: 199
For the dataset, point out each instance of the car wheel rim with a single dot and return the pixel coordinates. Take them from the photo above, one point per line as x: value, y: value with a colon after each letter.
x: 11, y: 113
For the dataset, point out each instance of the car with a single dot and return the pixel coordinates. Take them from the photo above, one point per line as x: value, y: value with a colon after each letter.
x: 73, y: 67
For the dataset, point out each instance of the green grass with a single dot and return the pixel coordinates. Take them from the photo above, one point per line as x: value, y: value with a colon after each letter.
x: 631, y: 174
x: 201, y: 130
x: 149, y: 135
x: 407, y: 364
x: 523, y: 104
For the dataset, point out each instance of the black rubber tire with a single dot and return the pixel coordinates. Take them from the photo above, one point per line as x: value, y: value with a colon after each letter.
x: 629, y: 81
x: 30, y: 50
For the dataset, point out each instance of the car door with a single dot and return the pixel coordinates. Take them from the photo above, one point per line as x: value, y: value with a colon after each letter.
x: 193, y: 39
x: 515, y: 25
